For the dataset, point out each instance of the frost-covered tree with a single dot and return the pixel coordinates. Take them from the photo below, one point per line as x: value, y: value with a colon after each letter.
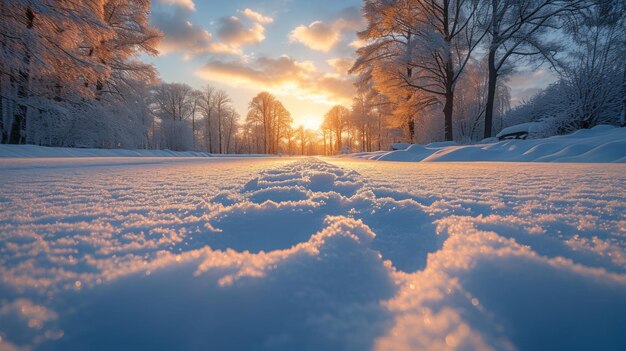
x: 336, y: 120
x: 471, y: 103
x: 419, y: 47
x: 590, y: 90
x: 62, y: 63
x: 206, y: 105
x: 595, y: 76
x: 270, y: 116
x: 223, y: 110
x: 519, y: 29
x: 173, y: 104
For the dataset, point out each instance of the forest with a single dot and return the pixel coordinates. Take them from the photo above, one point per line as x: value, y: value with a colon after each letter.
x: 72, y: 75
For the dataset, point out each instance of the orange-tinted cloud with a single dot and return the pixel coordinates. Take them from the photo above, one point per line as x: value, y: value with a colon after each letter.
x: 341, y: 65
x: 234, y: 32
x: 317, y: 36
x: 257, y: 17
x: 282, y: 76
x: 180, y: 35
x: 322, y: 36
x: 188, y: 4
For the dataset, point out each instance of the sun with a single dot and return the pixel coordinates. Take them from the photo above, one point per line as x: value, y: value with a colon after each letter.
x: 309, y: 122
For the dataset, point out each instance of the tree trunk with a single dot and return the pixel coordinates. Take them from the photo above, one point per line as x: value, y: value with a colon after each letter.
x: 3, y: 134
x: 380, y: 117
x: 16, y: 135
x: 491, y: 93
x: 363, y: 139
x: 219, y: 130
x: 338, y: 142
x: 624, y: 100
x: 209, y: 132
x: 449, y: 104
x: 230, y: 132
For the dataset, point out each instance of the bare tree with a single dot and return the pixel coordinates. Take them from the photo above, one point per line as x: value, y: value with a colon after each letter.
x: 222, y: 102
x: 517, y: 28
x: 173, y: 101
x: 269, y: 114
x: 336, y: 120
x: 206, y: 96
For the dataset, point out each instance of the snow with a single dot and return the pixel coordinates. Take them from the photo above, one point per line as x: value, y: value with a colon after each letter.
x: 529, y: 127
x: 310, y: 254
x: 599, y: 144
x: 399, y: 146
x: 35, y: 151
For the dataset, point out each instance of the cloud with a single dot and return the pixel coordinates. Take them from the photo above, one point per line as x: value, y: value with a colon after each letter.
x: 180, y: 35
x: 322, y: 36
x: 187, y: 4
x: 282, y: 76
x: 341, y: 65
x: 233, y: 32
x: 357, y: 43
x: 317, y: 36
x: 257, y: 17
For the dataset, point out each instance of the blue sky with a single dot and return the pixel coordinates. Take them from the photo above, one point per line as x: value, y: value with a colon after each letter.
x: 299, y: 50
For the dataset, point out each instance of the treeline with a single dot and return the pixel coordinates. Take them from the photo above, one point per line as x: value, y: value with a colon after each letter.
x: 205, y: 120
x: 441, y: 66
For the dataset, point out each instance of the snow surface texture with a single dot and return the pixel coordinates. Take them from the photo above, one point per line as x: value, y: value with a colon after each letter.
x: 42, y: 151
x: 599, y: 144
x: 274, y: 254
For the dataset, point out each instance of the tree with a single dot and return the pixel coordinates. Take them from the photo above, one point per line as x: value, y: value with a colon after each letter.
x: 56, y: 57
x: 421, y: 47
x: 173, y: 104
x: 269, y: 114
x: 260, y: 113
x: 596, y: 77
x: 517, y: 28
x: 223, y: 110
x: 173, y: 101
x: 282, y: 122
x: 336, y: 119
x: 196, y: 100
x: 206, y: 105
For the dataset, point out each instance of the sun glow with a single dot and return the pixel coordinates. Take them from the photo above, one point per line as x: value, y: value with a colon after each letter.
x: 309, y: 121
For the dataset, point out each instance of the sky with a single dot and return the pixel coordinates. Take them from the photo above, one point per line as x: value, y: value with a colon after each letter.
x: 299, y: 50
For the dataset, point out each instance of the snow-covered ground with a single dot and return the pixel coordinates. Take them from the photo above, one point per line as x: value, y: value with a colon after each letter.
x: 35, y: 151
x: 599, y: 144
x: 310, y: 254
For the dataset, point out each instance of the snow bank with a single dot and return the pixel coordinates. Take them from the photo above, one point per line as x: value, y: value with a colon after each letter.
x: 271, y: 254
x: 599, y: 144
x: 20, y: 151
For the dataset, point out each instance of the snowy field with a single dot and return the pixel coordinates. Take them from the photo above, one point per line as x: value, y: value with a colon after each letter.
x: 599, y: 144
x: 310, y: 254
x: 35, y: 151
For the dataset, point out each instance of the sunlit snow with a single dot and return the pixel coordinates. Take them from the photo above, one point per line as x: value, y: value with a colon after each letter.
x: 310, y: 254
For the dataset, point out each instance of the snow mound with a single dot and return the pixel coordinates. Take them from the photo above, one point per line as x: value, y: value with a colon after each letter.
x: 600, y: 144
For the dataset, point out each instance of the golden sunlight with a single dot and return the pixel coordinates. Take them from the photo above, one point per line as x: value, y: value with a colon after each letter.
x: 312, y: 122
